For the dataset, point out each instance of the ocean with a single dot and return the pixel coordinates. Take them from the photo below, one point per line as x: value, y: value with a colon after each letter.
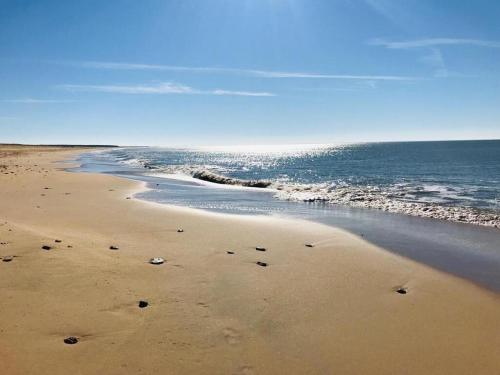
x: 448, y: 180
x: 434, y: 202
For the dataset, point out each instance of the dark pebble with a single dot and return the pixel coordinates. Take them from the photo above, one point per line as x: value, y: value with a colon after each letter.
x: 45, y: 247
x: 7, y: 258
x: 180, y: 230
x: 113, y: 247
x: 69, y: 246
x: 259, y: 248
x: 143, y: 304
x: 262, y: 264
x: 70, y: 340
x: 309, y: 245
x: 58, y: 241
x: 402, y: 291
x: 230, y: 252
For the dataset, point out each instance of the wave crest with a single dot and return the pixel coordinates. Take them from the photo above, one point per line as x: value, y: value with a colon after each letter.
x: 393, y: 199
x: 219, y: 179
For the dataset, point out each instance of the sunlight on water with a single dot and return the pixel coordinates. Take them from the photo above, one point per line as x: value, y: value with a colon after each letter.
x: 282, y: 149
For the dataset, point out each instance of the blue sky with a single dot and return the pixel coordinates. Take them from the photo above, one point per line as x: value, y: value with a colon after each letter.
x: 215, y: 72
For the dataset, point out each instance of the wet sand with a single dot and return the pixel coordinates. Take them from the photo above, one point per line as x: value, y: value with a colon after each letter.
x: 330, y: 308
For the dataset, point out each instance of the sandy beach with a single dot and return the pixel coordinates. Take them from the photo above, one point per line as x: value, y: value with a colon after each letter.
x: 328, y: 309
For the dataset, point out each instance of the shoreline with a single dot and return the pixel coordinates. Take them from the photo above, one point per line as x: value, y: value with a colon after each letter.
x: 466, y: 251
x: 332, y: 307
x: 364, y: 197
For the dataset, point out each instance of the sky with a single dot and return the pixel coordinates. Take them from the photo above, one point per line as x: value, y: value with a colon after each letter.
x: 222, y: 72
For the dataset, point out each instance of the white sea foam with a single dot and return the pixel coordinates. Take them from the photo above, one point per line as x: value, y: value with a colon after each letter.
x: 133, y: 162
x: 390, y: 199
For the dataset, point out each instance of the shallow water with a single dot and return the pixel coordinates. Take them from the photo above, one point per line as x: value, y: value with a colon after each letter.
x: 466, y: 250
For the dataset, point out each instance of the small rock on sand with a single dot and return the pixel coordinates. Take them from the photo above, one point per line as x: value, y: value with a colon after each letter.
x: 230, y: 252
x: 113, y: 247
x: 71, y: 340
x: 180, y: 230
x: 402, y: 290
x: 7, y: 258
x: 260, y: 248
x: 58, y: 241
x: 262, y: 264
x: 156, y: 260
x: 143, y: 304
x: 309, y: 245
x: 45, y: 247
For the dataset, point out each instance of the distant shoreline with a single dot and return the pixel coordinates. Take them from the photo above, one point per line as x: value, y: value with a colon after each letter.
x: 57, y: 145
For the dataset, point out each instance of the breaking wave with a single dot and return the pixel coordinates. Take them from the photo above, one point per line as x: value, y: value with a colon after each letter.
x: 395, y: 199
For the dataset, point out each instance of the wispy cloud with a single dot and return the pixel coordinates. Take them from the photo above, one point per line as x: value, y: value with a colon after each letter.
x: 436, y: 61
x: 218, y: 70
x: 240, y: 93
x: 163, y: 88
x: 434, y: 57
x: 134, y: 66
x: 274, y: 74
x: 35, y: 101
x: 434, y: 42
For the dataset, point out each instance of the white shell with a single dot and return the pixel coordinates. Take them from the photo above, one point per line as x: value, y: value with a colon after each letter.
x: 157, y: 260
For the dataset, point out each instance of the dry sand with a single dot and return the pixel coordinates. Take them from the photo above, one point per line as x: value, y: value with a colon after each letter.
x: 329, y: 309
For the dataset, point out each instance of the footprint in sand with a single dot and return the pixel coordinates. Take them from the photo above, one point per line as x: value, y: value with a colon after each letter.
x: 231, y: 335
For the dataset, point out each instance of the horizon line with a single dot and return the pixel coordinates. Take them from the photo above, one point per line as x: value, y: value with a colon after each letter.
x: 59, y: 144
